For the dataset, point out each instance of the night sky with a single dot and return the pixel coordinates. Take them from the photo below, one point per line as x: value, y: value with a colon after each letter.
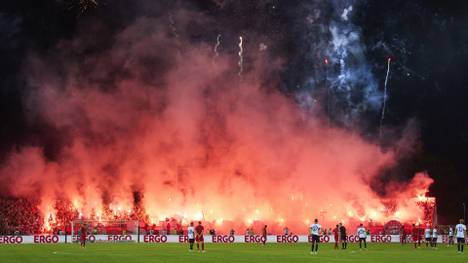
x: 427, y: 89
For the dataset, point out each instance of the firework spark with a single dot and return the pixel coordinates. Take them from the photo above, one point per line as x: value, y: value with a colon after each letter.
x: 173, y: 26
x: 84, y: 5
x: 218, y: 43
x: 385, y: 96
x: 241, y: 56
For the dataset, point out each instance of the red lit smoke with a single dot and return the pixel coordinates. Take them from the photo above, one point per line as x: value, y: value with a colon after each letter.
x: 176, y: 124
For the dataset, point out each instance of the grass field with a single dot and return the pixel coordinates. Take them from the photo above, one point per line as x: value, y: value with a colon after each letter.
x: 224, y: 253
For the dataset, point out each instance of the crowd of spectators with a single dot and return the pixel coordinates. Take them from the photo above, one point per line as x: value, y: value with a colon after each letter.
x: 19, y: 216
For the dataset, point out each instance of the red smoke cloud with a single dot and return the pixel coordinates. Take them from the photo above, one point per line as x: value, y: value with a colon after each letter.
x: 177, y: 125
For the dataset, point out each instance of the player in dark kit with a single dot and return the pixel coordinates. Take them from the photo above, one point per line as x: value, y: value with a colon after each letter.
x: 420, y: 235
x: 402, y: 235
x: 83, y: 236
x: 199, y: 231
x: 336, y: 235
x: 343, y: 237
x: 415, y: 235
x: 264, y: 235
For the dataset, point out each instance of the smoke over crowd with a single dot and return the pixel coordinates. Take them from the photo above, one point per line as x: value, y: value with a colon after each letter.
x: 161, y: 122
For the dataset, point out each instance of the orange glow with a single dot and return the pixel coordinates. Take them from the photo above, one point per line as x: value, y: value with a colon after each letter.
x: 194, y: 143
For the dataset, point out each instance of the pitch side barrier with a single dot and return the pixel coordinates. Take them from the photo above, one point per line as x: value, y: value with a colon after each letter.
x: 57, y: 239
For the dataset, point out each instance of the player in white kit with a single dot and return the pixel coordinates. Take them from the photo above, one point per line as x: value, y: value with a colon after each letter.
x: 427, y: 236
x: 434, y: 238
x: 460, y: 233
x: 450, y: 236
x: 315, y: 232
x: 191, y: 236
x: 362, y: 234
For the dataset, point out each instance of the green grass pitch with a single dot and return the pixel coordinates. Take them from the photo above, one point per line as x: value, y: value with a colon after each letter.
x: 225, y: 253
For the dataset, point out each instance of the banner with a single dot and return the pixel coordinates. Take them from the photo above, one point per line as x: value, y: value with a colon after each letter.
x: 224, y: 239
x: 36, y: 239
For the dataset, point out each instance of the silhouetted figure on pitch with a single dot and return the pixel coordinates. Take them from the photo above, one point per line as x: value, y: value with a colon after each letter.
x: 343, y: 237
